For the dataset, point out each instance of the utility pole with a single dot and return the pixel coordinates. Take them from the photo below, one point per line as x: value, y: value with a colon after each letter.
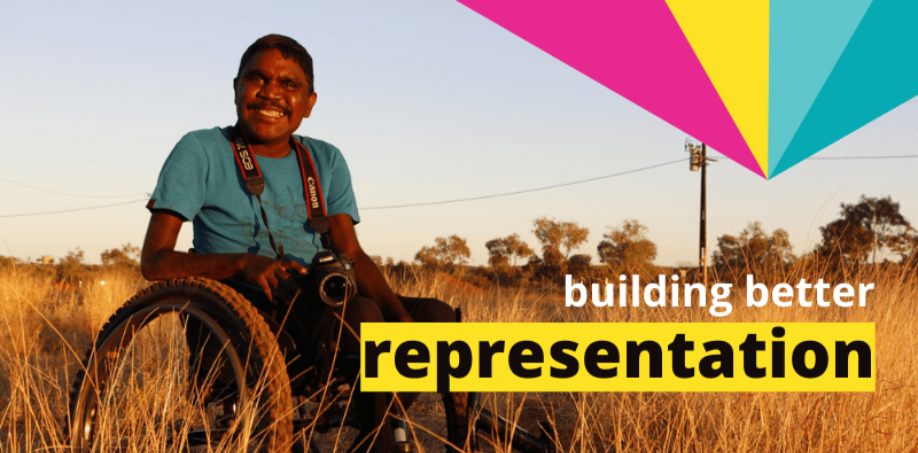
x: 703, y: 240
x: 699, y: 160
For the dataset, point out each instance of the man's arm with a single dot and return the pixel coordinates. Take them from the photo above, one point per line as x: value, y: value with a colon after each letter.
x: 160, y: 261
x: 370, y: 281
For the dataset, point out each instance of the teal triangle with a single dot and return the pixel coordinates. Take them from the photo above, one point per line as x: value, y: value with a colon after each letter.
x: 876, y: 73
x: 806, y: 39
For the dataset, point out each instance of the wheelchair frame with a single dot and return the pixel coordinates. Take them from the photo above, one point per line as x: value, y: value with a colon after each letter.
x: 253, y: 351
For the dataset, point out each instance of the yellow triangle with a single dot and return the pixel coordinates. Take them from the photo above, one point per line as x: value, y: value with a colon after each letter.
x: 730, y: 38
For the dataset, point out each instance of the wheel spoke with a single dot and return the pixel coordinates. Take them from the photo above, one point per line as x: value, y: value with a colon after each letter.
x: 167, y: 373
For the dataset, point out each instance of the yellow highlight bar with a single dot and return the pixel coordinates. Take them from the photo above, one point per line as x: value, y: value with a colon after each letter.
x: 612, y: 357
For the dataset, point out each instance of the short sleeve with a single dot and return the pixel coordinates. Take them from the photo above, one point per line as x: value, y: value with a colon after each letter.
x: 336, y: 181
x: 181, y: 186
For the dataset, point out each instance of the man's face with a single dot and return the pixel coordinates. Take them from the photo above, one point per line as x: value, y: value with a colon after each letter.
x: 272, y: 97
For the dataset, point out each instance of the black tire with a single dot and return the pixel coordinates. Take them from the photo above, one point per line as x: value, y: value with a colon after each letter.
x: 249, y: 351
x: 461, y: 410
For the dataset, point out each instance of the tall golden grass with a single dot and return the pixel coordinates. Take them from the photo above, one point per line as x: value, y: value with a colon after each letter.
x: 44, y: 332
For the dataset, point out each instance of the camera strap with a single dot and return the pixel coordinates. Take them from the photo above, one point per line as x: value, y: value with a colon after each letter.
x: 255, y: 183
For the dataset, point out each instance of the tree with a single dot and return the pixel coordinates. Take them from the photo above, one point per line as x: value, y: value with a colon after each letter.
x: 503, y: 255
x: 126, y: 256
x: 579, y: 265
x: 9, y: 262
x: 505, y: 251
x: 71, y: 266
x: 870, y: 230
x: 626, y: 249
x: 445, y: 254
x: 754, y: 252
x: 555, y: 236
x: 380, y: 262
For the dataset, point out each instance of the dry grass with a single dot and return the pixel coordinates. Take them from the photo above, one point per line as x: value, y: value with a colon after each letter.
x: 44, y: 331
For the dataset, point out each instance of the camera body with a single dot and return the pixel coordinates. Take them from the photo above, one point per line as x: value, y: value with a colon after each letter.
x: 331, y: 278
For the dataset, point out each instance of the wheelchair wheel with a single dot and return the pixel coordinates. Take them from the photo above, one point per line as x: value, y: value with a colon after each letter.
x: 145, y: 386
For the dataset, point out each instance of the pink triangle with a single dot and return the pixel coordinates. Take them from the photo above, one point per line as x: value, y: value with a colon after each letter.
x: 632, y: 47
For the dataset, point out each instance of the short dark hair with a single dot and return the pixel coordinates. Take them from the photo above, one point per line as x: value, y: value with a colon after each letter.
x: 288, y: 48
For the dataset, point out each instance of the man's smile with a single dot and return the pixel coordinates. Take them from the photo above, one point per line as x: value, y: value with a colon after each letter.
x: 269, y: 112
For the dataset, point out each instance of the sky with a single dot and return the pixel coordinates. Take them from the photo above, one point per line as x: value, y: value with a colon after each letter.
x: 428, y: 102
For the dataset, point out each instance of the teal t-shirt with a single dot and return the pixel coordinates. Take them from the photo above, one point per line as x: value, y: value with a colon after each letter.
x: 201, y: 182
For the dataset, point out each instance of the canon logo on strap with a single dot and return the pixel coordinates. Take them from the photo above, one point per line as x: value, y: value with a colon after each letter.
x: 313, y: 196
x: 255, y: 184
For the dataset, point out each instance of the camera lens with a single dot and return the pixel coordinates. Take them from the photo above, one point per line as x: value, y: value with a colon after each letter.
x: 334, y: 289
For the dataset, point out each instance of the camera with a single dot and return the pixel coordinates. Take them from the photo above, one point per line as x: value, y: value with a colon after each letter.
x: 331, y: 278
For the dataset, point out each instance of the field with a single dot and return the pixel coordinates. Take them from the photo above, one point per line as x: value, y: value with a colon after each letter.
x: 45, y: 328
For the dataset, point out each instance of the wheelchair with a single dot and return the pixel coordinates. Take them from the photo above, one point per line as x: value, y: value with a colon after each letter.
x: 142, y: 388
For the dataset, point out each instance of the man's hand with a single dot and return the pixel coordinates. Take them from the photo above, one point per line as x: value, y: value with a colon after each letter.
x: 267, y: 273
x: 160, y: 261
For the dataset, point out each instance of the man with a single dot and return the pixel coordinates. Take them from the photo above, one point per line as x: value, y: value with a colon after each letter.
x: 202, y: 181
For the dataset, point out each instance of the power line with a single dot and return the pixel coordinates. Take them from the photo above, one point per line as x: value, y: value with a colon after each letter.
x: 71, y: 210
x: 902, y: 156
x: 431, y: 203
x: 398, y: 206
x: 484, y: 197
x: 73, y: 194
